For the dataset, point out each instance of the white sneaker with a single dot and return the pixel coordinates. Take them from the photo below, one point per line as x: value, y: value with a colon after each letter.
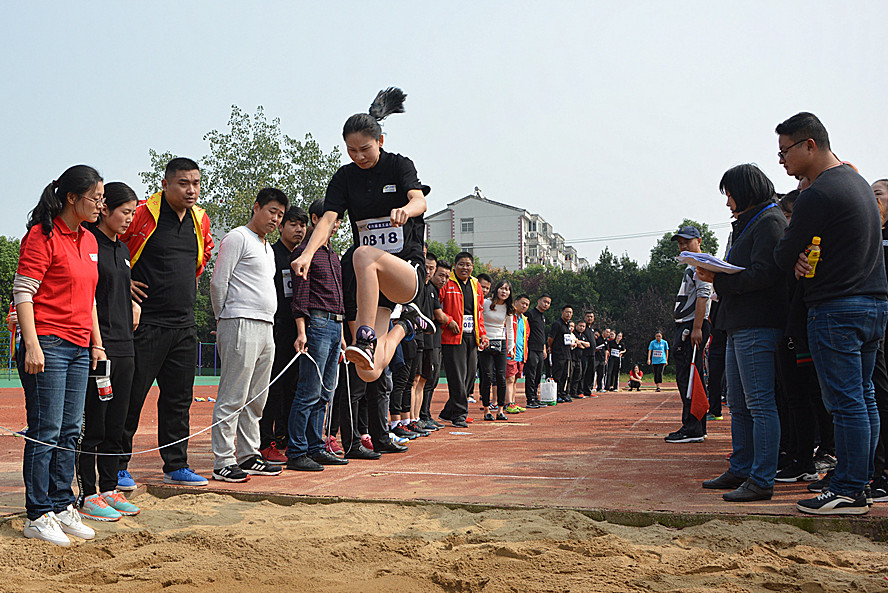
x: 46, y: 528
x: 71, y: 523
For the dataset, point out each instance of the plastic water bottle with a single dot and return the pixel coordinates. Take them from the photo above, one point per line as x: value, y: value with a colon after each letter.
x: 813, y: 253
x: 104, y: 386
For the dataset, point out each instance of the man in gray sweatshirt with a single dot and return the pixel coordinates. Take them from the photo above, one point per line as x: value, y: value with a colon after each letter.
x: 244, y: 303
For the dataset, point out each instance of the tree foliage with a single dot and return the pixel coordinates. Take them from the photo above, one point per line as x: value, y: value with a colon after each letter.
x: 251, y: 154
x: 9, y: 253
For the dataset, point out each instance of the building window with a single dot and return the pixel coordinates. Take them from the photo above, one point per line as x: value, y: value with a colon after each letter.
x: 532, y: 251
x: 467, y: 225
x: 533, y: 225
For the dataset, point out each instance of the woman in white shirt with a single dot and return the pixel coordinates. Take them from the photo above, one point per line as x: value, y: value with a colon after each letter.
x: 492, y: 361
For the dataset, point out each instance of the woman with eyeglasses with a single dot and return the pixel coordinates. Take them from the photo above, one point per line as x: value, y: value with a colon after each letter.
x: 54, y: 291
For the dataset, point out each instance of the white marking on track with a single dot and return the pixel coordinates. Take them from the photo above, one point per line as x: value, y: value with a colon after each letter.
x: 474, y: 475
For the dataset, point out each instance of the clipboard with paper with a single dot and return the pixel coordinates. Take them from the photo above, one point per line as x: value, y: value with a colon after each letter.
x: 708, y: 262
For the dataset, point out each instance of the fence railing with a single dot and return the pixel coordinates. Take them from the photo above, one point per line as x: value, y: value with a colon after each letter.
x: 208, y: 363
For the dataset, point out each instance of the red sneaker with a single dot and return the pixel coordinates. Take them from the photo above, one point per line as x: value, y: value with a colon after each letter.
x: 333, y: 447
x: 469, y: 420
x: 272, y: 455
x: 367, y: 442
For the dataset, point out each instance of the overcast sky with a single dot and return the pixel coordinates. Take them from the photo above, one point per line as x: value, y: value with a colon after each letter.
x: 606, y: 118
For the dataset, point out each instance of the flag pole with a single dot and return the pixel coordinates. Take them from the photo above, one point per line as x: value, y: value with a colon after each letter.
x: 690, y: 390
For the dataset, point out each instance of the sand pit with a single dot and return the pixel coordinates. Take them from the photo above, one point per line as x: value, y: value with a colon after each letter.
x: 211, y: 542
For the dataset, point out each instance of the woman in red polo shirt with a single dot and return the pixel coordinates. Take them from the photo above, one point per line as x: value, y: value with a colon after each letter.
x: 54, y: 291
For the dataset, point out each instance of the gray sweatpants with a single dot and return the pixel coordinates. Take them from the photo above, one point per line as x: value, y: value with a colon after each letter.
x: 246, y: 347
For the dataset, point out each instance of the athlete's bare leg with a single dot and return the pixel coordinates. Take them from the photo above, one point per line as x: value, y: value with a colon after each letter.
x: 416, y: 399
x: 377, y: 271
x: 510, y: 389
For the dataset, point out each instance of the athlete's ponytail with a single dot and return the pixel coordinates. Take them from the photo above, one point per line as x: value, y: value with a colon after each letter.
x: 77, y: 180
x: 389, y: 101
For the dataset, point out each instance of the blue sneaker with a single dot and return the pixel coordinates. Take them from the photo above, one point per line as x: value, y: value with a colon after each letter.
x: 184, y: 477
x: 125, y: 481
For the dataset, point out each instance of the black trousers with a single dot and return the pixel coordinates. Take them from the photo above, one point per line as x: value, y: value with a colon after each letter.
x: 587, y: 384
x: 168, y: 355
x: 799, y: 389
x: 600, y: 373
x: 433, y: 359
x: 102, y: 430
x: 880, y: 380
x: 492, y: 364
x: 716, y: 387
x: 613, y: 372
x: 533, y: 370
x: 576, y: 376
x: 402, y: 379
x: 352, y: 394
x: 561, y: 373
x: 273, y: 424
x: 458, y: 359
x: 683, y: 350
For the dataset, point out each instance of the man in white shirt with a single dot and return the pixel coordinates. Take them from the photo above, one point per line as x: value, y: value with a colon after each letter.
x: 244, y: 303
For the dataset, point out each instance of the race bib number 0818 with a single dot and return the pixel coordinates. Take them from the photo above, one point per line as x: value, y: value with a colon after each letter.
x: 379, y: 233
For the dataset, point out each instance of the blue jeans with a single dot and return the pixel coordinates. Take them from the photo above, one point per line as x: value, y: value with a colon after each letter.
x: 306, y: 422
x: 755, y: 428
x: 844, y: 335
x: 54, y: 402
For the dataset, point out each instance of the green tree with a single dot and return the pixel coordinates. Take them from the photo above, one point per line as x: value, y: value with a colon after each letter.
x: 9, y: 254
x: 251, y: 154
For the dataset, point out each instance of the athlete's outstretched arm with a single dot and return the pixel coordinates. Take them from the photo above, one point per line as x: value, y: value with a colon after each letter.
x: 319, y: 236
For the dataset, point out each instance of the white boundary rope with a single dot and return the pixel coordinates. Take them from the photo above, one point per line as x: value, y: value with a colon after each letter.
x: 191, y: 436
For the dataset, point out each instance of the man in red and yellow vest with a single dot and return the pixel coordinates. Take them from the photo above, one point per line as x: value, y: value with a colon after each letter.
x: 462, y: 337
x: 170, y: 244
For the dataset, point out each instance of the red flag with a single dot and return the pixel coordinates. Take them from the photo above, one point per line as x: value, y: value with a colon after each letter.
x: 699, y: 401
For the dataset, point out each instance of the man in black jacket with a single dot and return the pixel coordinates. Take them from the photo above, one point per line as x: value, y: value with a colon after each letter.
x: 846, y: 299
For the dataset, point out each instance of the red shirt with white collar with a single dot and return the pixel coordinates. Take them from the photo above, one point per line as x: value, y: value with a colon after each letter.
x: 66, y: 265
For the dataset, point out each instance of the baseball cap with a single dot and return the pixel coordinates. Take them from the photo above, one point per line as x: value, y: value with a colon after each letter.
x: 687, y: 232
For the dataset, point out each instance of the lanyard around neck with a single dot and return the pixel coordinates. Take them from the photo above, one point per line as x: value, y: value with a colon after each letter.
x: 734, y: 241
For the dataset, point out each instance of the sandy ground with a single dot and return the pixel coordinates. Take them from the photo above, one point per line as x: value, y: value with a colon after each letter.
x: 211, y: 542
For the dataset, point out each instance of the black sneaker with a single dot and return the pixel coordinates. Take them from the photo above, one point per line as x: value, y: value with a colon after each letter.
x: 797, y: 472
x: 459, y: 424
x: 412, y: 314
x: 324, y: 458
x: 681, y: 436
x: 821, y: 484
x: 362, y: 452
x: 501, y: 416
x: 304, y: 463
x: 361, y: 352
x: 404, y: 433
x: 230, y: 473
x: 488, y: 417
x: 830, y: 503
x: 879, y: 489
x: 824, y: 462
x: 415, y: 427
x: 257, y: 466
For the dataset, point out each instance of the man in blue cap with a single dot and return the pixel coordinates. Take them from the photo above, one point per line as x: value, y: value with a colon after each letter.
x: 691, y: 329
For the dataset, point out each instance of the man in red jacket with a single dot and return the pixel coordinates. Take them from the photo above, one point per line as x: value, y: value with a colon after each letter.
x: 170, y: 244
x: 462, y: 336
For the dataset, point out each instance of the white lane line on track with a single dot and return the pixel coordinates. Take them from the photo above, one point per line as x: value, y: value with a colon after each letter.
x: 474, y: 475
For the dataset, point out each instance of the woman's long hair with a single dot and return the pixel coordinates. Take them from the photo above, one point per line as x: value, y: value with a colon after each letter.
x: 494, y: 296
x: 77, y: 180
x: 389, y: 101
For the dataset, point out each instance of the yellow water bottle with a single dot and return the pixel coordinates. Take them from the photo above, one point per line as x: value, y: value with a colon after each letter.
x: 813, y: 253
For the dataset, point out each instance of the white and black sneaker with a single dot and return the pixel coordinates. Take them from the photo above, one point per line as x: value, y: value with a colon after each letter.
x: 681, y: 436
x: 412, y: 313
x: 797, y: 472
x: 830, y: 503
x: 230, y: 473
x: 257, y: 466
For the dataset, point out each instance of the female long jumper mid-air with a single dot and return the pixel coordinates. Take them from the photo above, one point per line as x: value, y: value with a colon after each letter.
x: 385, y: 202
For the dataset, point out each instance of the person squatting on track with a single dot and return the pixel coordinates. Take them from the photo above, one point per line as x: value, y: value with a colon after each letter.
x: 244, y: 303
x: 54, y: 291
x: 118, y: 316
x: 387, y: 226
